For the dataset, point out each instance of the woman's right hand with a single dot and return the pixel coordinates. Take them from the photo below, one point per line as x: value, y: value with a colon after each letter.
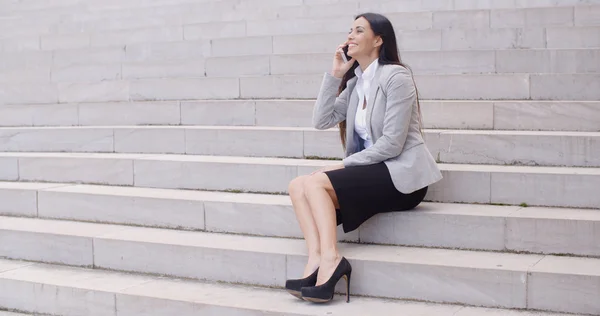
x: 340, y: 68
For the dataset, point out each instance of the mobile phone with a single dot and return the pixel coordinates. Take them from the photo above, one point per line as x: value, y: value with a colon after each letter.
x: 345, y: 56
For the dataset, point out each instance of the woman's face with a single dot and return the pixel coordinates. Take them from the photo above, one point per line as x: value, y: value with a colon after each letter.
x: 361, y: 40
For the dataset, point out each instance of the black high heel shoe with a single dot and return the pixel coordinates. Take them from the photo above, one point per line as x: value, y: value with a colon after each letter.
x: 295, y: 286
x: 324, y: 292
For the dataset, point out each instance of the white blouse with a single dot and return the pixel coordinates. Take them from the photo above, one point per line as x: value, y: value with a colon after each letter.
x: 363, y: 86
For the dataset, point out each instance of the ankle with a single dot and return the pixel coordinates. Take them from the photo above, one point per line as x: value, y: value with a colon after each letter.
x: 313, y: 261
x: 314, y: 256
x: 331, y: 257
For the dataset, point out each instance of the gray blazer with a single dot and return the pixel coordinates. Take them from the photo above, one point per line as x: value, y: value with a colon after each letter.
x: 392, y: 122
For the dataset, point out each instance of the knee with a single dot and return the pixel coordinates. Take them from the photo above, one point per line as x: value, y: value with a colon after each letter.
x: 296, y: 187
x: 314, y: 183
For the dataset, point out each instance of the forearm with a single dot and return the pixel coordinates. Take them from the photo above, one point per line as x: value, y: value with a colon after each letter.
x: 382, y: 150
x: 329, y: 109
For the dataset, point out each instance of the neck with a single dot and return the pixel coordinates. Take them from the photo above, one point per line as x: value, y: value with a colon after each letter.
x: 365, y: 61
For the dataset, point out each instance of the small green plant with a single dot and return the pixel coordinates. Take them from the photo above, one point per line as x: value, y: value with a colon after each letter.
x: 321, y: 158
x: 233, y: 191
x: 523, y: 205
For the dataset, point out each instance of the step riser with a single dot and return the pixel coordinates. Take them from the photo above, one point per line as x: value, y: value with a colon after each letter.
x: 495, y: 233
x: 505, y: 231
x: 550, y: 116
x: 289, y: 5
x: 390, y: 280
x: 151, y: 296
x: 457, y: 186
x: 270, y: 19
x: 260, y: 22
x: 536, y: 150
x: 435, y: 40
x: 12, y: 314
x: 24, y: 246
x: 63, y: 298
x: 447, y: 62
x: 437, y: 87
x: 231, y: 43
x: 114, y: 64
x: 139, y: 305
x: 447, y: 147
x: 225, y: 217
x: 55, y: 300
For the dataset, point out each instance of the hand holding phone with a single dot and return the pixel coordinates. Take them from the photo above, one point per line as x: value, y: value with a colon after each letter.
x: 341, y: 61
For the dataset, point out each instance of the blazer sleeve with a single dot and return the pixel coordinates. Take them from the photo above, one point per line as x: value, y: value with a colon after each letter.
x: 330, y: 109
x: 401, y: 97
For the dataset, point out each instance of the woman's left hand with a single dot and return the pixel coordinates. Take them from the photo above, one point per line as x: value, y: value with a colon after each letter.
x: 328, y: 168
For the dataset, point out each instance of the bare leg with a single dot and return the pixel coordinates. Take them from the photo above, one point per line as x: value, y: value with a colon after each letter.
x: 307, y: 223
x: 323, y: 202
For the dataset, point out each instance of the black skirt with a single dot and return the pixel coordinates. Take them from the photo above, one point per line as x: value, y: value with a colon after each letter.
x: 364, y: 191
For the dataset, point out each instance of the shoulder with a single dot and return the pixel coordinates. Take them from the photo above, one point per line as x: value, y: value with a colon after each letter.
x: 395, y: 76
x: 390, y: 71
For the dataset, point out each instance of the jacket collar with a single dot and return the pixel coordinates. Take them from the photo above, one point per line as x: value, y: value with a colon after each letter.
x: 369, y: 73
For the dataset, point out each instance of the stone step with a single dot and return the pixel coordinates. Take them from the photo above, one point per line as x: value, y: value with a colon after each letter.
x: 101, y: 292
x: 151, y: 61
x: 515, y: 147
x: 230, y: 41
x: 441, y: 5
x: 5, y: 313
x: 295, y: 5
x: 407, y: 15
x: 527, y: 281
x: 421, y: 62
x: 418, y: 40
x: 571, y: 149
x: 88, y: 18
x: 578, y: 87
x: 139, y: 61
x: 482, y: 115
x: 541, y: 186
x: 500, y: 228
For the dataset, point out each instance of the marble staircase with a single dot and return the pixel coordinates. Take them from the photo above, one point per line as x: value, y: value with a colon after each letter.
x: 146, y: 148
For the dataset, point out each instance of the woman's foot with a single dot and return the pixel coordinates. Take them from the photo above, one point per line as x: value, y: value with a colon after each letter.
x: 327, y: 267
x: 294, y: 286
x: 309, y: 278
x: 324, y: 293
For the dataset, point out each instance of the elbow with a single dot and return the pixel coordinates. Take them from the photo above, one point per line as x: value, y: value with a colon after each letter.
x: 320, y: 124
x: 321, y: 127
x: 395, y: 148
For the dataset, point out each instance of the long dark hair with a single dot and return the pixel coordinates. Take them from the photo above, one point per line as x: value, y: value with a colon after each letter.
x: 388, y: 55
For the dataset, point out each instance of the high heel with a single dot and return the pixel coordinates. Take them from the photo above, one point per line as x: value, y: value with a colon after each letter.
x: 294, y: 286
x: 324, y: 292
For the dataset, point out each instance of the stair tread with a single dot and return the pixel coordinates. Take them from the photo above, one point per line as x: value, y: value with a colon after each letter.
x: 299, y: 129
x: 174, y: 291
x: 297, y: 162
x: 271, y: 199
x: 296, y: 247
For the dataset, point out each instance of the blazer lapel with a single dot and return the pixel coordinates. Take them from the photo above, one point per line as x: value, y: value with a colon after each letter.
x: 372, y: 96
x: 351, y: 114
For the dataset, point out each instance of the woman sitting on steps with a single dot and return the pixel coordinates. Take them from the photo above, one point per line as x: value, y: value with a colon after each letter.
x: 387, y: 167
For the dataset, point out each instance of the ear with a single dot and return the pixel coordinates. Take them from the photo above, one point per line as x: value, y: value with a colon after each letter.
x: 378, y: 41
